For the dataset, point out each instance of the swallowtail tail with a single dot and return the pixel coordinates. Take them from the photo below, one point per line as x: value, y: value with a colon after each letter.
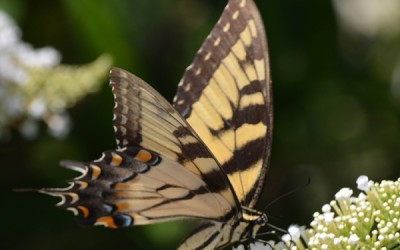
x: 205, y: 156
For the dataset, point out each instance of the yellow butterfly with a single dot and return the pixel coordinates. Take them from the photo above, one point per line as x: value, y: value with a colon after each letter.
x: 205, y: 156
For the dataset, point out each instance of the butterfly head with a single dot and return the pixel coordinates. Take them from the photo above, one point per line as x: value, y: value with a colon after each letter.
x: 255, y: 220
x: 261, y: 220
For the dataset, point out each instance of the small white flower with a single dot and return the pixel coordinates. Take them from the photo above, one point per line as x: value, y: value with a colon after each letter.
x: 10, y: 73
x: 59, y: 125
x: 294, y: 231
x: 328, y: 217
x: 326, y: 208
x: 323, y: 236
x: 286, y: 238
x: 384, y: 230
x: 10, y: 33
x: 353, y: 220
x: 361, y: 196
x: 354, y: 239
x: 44, y: 57
x: 343, y: 193
x: 363, y: 183
x: 37, y: 108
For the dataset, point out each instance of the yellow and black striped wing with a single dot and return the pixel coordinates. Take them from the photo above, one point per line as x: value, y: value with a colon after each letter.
x: 206, y: 157
x: 225, y: 95
x: 161, y: 171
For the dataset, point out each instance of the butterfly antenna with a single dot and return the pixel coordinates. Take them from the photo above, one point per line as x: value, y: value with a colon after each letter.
x: 281, y: 230
x: 287, y: 194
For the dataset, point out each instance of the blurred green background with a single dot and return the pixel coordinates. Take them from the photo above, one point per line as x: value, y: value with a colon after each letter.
x: 336, y: 101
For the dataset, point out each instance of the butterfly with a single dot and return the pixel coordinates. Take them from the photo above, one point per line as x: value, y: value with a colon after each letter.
x: 205, y: 157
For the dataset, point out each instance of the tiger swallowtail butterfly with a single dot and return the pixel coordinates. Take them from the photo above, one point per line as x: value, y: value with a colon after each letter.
x: 204, y: 157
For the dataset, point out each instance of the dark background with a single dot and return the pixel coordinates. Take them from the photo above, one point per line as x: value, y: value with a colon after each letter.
x: 337, y: 112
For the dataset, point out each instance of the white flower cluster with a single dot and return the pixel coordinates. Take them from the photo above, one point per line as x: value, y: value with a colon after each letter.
x: 16, y: 55
x: 369, y: 221
x: 34, y: 86
x: 16, y: 58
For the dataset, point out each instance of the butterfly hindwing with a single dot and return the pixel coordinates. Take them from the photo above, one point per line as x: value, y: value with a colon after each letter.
x: 133, y: 186
x: 161, y: 171
x: 225, y: 95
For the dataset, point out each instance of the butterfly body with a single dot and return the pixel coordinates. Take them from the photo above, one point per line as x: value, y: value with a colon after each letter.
x: 204, y: 157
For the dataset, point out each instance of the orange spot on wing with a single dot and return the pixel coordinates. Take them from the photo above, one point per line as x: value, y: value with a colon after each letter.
x: 85, y: 211
x: 144, y: 156
x: 116, y: 160
x: 107, y: 221
x: 96, y: 171
x: 82, y: 184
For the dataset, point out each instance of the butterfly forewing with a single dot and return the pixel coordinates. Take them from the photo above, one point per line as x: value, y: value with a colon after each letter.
x: 225, y: 95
